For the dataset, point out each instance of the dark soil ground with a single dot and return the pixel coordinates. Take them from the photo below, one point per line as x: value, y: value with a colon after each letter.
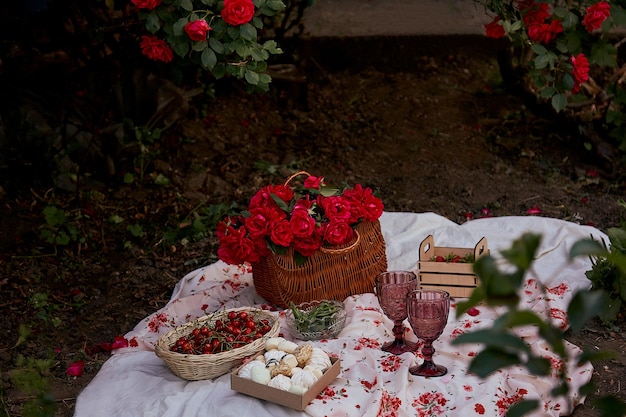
x: 435, y: 132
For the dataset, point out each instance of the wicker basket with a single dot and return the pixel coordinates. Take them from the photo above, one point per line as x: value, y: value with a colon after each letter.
x: 196, y: 367
x: 329, y: 274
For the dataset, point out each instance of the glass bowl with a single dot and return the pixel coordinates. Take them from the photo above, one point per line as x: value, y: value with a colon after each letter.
x: 315, y: 320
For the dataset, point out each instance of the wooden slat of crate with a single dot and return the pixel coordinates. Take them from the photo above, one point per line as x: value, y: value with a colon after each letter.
x: 459, y: 292
x: 455, y: 280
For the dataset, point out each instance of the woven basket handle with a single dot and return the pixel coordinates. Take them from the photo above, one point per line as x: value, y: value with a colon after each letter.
x: 341, y: 251
x: 294, y: 175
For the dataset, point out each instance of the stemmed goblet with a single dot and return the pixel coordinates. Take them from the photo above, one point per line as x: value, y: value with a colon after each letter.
x: 392, y: 288
x: 428, y: 315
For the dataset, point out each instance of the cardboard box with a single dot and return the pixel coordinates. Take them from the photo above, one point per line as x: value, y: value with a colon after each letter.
x: 456, y: 278
x: 285, y: 398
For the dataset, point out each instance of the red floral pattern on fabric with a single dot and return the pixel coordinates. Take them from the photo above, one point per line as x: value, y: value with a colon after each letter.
x: 505, y: 401
x: 389, y: 405
x: 391, y: 363
x: 430, y: 404
x: 367, y: 343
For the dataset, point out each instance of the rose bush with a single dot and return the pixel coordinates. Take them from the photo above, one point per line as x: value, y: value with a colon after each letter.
x: 220, y: 36
x: 305, y: 219
x: 568, y: 52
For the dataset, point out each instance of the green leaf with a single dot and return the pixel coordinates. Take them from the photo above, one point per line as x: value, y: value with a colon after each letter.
x: 617, y: 236
x: 219, y: 71
x: 492, y: 338
x: 179, y: 26
x: 135, y: 230
x: 522, y: 408
x: 162, y: 180
x: 243, y: 51
x: 153, y: 23
x: 258, y: 54
x: 547, y: 92
x: 128, y: 178
x: 568, y: 81
x: 187, y: 5
x: 54, y: 216
x: 522, y: 251
x: 559, y: 102
x: 603, y: 54
x: 584, y: 306
x: 208, y: 59
x: 539, y: 49
x: 275, y: 5
x: 554, y: 337
x: 182, y: 49
x: 560, y: 390
x: 518, y: 318
x: 499, y: 289
x: 248, y: 32
x: 264, y: 79
x: 233, y: 32
x: 587, y: 247
x: 538, y: 365
x: 490, y: 360
x: 252, y: 77
x: 272, y: 47
x: 216, y: 45
x: 589, y: 355
x: 200, y: 46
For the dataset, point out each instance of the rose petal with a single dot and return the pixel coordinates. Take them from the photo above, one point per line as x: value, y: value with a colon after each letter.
x: 75, y: 368
x: 534, y: 210
x: 119, y: 342
x: 473, y: 311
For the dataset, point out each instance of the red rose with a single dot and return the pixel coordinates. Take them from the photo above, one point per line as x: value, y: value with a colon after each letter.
x: 494, y: 29
x: 364, y: 204
x: 197, y: 30
x: 281, y: 233
x: 237, y: 12
x: 303, y: 203
x: 235, y: 248
x: 261, y: 248
x: 230, y: 221
x: 146, y: 4
x: 156, y: 49
x: 263, y: 197
x: 580, y: 71
x: 308, y: 245
x: 544, y: 32
x: 338, y: 233
x: 336, y: 208
x: 261, y: 219
x: 302, y: 225
x: 314, y: 182
x: 595, y: 15
x: 535, y: 13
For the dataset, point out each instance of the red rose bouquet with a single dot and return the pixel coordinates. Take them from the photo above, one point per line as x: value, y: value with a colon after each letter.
x: 304, y: 218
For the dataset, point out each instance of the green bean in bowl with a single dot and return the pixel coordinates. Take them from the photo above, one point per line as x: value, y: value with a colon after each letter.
x: 316, y: 320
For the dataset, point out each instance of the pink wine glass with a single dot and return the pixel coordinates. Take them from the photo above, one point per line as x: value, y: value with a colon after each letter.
x: 428, y: 315
x: 391, y: 289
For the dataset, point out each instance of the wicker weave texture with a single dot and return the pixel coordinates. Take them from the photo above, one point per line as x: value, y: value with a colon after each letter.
x: 198, y: 367
x: 327, y: 275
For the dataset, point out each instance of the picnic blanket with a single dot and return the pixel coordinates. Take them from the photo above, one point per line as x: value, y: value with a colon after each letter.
x: 135, y: 382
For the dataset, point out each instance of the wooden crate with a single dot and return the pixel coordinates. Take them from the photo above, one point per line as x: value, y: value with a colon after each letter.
x: 456, y: 278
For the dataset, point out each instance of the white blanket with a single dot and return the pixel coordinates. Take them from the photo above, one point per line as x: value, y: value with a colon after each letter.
x: 135, y: 382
